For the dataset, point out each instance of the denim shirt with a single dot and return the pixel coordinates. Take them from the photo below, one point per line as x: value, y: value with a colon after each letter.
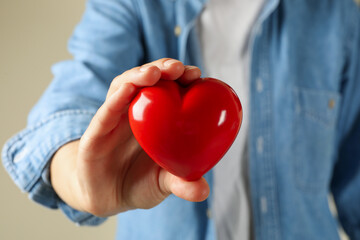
x: 305, y: 113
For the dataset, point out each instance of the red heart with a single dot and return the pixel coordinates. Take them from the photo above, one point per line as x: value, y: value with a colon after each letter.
x: 186, y: 130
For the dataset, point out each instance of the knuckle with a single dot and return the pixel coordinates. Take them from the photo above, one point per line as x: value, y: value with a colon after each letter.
x: 113, y: 86
x: 164, y: 59
x: 100, y: 121
x: 120, y: 78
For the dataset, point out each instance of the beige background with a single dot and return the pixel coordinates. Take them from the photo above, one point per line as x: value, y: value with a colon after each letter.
x: 33, y: 36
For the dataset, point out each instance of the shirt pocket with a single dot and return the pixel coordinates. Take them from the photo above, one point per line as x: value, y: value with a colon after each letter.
x: 313, y: 143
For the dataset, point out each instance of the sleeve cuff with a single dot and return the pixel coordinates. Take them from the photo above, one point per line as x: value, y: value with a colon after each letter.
x: 26, y: 157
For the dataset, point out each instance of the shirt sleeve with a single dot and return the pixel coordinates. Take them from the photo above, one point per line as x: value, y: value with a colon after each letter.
x: 104, y: 44
x: 345, y: 183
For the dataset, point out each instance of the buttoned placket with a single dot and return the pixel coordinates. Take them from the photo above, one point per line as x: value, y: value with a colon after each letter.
x: 263, y: 162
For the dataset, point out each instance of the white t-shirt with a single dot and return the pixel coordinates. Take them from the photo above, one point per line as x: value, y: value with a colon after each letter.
x: 224, y: 27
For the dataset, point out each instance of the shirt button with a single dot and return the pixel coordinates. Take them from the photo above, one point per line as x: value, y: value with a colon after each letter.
x: 20, y: 156
x: 331, y: 103
x: 260, y: 145
x: 259, y: 85
x: 263, y: 205
x: 177, y: 30
x: 208, y: 213
x: 259, y: 30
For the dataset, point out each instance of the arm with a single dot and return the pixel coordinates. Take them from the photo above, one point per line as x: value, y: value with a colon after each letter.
x: 345, y: 184
x: 106, y: 43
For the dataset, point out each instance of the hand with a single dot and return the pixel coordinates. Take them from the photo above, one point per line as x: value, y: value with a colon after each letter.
x: 106, y: 171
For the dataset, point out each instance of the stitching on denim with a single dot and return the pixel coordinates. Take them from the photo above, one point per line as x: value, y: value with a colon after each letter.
x: 328, y: 122
x: 315, y: 117
x: 315, y: 91
x: 267, y: 131
x: 9, y: 147
x: 51, y: 151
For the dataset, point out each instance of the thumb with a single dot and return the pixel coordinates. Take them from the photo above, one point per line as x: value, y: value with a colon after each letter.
x: 194, y: 191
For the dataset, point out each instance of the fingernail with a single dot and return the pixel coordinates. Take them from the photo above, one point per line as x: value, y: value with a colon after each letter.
x: 169, y: 62
x: 145, y: 68
x: 188, y: 67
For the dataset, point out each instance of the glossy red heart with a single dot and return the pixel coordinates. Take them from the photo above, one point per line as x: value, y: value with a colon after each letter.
x: 186, y: 130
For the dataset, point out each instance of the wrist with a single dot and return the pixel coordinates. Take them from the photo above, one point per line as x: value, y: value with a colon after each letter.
x: 63, y: 175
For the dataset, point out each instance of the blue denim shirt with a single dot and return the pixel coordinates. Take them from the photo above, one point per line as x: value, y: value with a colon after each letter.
x: 305, y: 113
